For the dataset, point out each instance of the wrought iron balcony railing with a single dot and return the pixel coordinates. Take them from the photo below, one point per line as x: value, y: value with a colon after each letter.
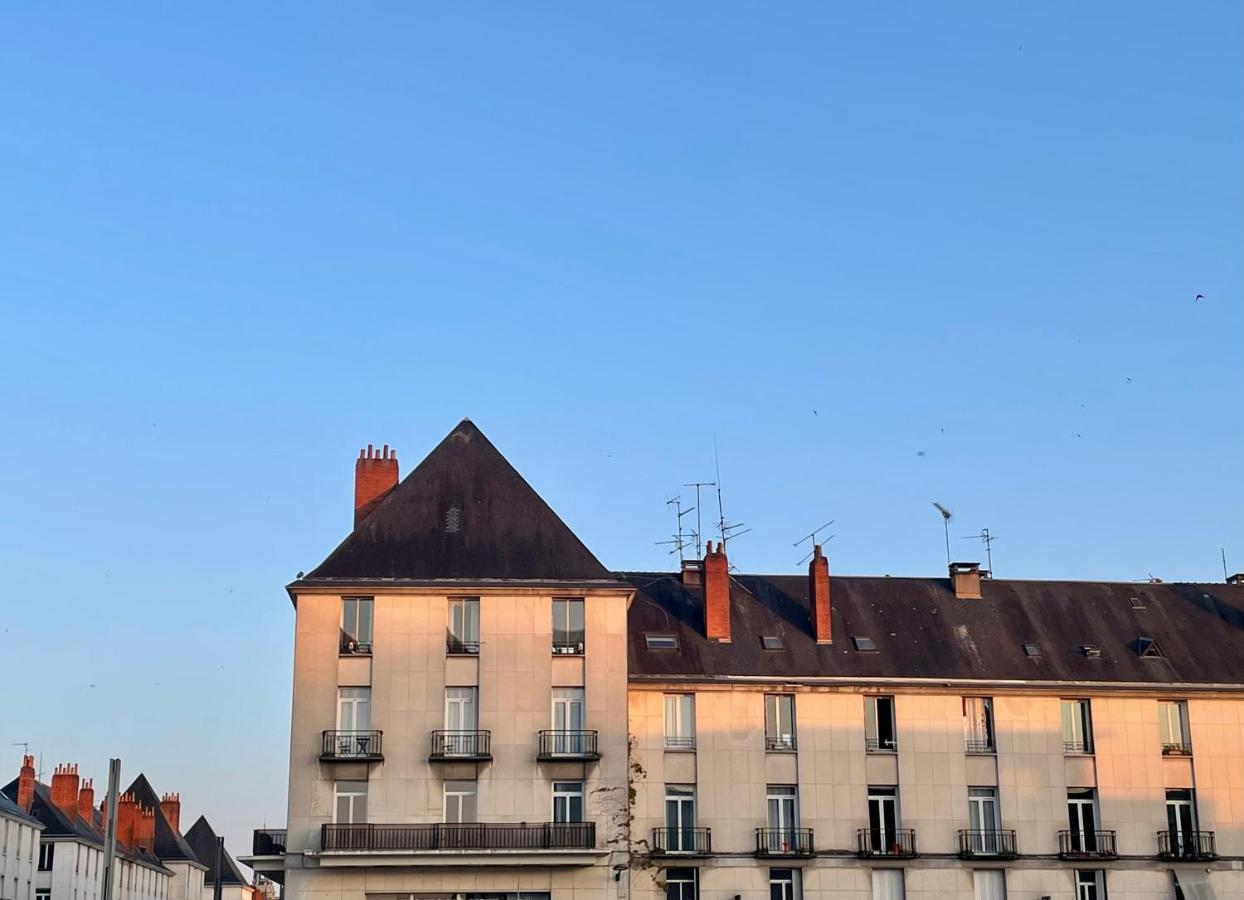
x: 682, y: 841
x: 456, y: 647
x: 461, y: 745
x: 269, y: 842
x: 346, y: 746
x: 1192, y: 845
x: 780, y: 742
x: 460, y: 836
x: 897, y: 844
x: 568, y: 643
x: 1177, y: 748
x: 880, y: 745
x: 979, y: 745
x: 784, y: 842
x: 679, y: 742
x: 1087, y: 845
x: 997, y: 844
x: 572, y: 745
x: 1077, y: 746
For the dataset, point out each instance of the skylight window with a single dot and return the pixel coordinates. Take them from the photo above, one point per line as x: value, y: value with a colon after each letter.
x: 1138, y: 603
x: 1092, y: 651
x: 1032, y: 648
x: 772, y: 641
x: 1148, y: 648
x: 864, y: 644
x: 661, y: 641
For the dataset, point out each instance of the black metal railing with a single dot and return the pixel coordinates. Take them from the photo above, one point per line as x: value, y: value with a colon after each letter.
x: 1177, y: 748
x: 568, y: 644
x: 978, y: 745
x: 690, y: 841
x: 1077, y: 746
x: 880, y: 745
x: 1194, y: 845
x: 461, y: 745
x: 780, y: 742
x: 784, y: 842
x: 999, y: 844
x: 675, y: 742
x: 569, y: 745
x: 1087, y: 845
x: 897, y: 844
x: 461, y: 836
x: 351, y: 646
x: 348, y: 745
x: 456, y: 647
x: 269, y: 842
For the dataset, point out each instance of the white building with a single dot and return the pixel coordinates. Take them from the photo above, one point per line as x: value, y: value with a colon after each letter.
x: 19, y: 851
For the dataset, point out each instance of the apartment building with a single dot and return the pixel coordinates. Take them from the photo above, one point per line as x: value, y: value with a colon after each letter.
x: 19, y: 851
x: 482, y: 710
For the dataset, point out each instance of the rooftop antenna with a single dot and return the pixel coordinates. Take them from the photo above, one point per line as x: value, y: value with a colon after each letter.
x: 1223, y: 551
x: 725, y: 530
x: 987, y: 539
x: 812, y: 536
x: 699, y: 554
x: 24, y: 745
x: 946, y: 516
x: 679, y: 541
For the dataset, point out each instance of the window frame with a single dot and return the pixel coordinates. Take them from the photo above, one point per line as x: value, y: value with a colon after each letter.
x: 354, y: 642
x: 683, y: 736
x: 686, y: 877
x: 777, y: 738
x: 459, y: 793
x: 339, y: 794
x: 568, y: 791
x: 1090, y: 890
x: 877, y: 742
x: 973, y: 742
x: 568, y: 645
x: 1174, y: 745
x: 788, y: 880
x: 462, y: 626
x: 1080, y: 718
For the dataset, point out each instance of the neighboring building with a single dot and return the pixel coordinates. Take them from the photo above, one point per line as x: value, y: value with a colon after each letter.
x: 203, y: 841
x: 19, y: 851
x: 482, y: 710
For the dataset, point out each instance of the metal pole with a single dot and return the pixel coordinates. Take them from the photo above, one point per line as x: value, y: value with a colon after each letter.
x: 110, y: 829
x: 220, y: 865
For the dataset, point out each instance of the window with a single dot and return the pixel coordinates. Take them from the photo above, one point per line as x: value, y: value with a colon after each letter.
x: 1090, y: 884
x: 463, y: 625
x: 1077, y: 727
x: 1147, y: 648
x: 864, y: 644
x: 1092, y: 651
x: 983, y: 837
x: 461, y: 737
x: 568, y: 801
x: 1082, y: 820
x: 568, y: 625
x: 887, y: 884
x: 989, y: 884
x: 771, y: 641
x: 680, y: 884
x: 680, y: 721
x: 783, y: 884
x: 1032, y: 648
x: 1173, y: 725
x: 1181, y: 823
x: 783, y: 818
x: 568, y: 736
x: 779, y: 721
x: 459, y: 801
x: 356, y: 621
x: 661, y: 641
x: 680, y: 817
x: 879, y: 724
x: 353, y: 709
x: 46, y: 854
x: 43, y: 894
x: 349, y: 802
x: 978, y: 724
x: 883, y: 820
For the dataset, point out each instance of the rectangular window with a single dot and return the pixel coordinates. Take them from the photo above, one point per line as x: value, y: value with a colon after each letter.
x: 349, y: 802
x: 1173, y: 725
x: 568, y: 801
x: 43, y: 894
x: 783, y: 884
x: 463, y: 625
x: 888, y: 884
x: 568, y: 735
x: 883, y: 820
x: 680, y: 817
x: 983, y: 836
x: 568, y: 625
x: 989, y: 884
x: 779, y: 721
x: 356, y: 625
x: 879, y: 733
x: 978, y: 724
x: 460, y: 709
x: 1077, y: 727
x: 460, y: 801
x: 782, y: 809
x: 354, y: 709
x: 1082, y: 820
x: 46, y: 854
x: 1090, y: 884
x: 680, y: 721
x: 1181, y: 823
x: 680, y: 884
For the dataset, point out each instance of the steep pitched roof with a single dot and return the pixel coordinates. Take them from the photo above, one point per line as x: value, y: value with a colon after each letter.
x: 10, y: 809
x: 169, y: 844
x: 463, y: 513
x: 202, y: 839
x: 921, y: 630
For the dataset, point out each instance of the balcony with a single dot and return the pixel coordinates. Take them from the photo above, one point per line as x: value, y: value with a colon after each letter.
x: 269, y: 842
x: 678, y: 742
x: 1176, y: 748
x: 783, y: 743
x: 571, y: 746
x: 351, y: 746
x: 1086, y: 845
x: 459, y: 836
x: 784, y: 842
x: 979, y: 745
x: 987, y: 844
x: 880, y: 745
x: 898, y: 844
x: 461, y: 746
x: 1186, y: 845
x: 567, y: 643
x: 456, y: 647
x: 682, y: 841
x: 1079, y: 747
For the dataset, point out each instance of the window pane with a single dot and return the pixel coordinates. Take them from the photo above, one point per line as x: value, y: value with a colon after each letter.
x: 364, y: 632
x: 989, y: 884
x: 887, y: 884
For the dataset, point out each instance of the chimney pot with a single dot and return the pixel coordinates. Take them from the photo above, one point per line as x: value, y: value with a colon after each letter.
x: 26, y: 783
x: 374, y: 477
x: 818, y: 595
x: 86, y: 801
x: 716, y: 594
x: 65, y: 790
x: 965, y: 577
x: 127, y: 811
x: 171, y: 807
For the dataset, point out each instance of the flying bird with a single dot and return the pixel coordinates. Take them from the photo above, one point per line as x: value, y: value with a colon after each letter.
x: 1199, y: 297
x: 919, y: 453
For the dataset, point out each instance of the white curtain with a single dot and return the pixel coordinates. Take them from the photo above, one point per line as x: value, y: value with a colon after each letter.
x: 990, y: 884
x: 887, y: 884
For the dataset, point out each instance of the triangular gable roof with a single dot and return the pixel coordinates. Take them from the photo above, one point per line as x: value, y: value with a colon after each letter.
x: 464, y: 513
x: 202, y: 839
x: 169, y: 844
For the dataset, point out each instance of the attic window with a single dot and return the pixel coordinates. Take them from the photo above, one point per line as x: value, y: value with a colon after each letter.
x: 661, y: 641
x: 1032, y: 648
x: 864, y: 644
x: 1092, y: 651
x: 453, y: 520
x: 1138, y: 603
x: 1147, y: 648
x: 772, y: 642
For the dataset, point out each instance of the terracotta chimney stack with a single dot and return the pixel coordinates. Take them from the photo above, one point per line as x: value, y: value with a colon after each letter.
x: 65, y: 790
x: 26, y: 783
x: 144, y: 828
x: 818, y: 595
x: 127, y: 812
x: 966, y: 578
x: 716, y: 594
x: 86, y: 802
x: 171, y: 807
x: 375, y: 474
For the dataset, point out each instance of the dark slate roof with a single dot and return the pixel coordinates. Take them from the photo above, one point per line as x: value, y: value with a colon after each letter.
x: 169, y: 844
x: 922, y: 630
x: 504, y: 530
x: 11, y: 810
x: 202, y: 839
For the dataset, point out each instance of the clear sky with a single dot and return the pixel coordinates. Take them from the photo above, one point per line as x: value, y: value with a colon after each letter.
x: 883, y: 254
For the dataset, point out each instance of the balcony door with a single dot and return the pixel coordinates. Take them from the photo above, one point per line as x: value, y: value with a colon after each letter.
x: 1082, y: 820
x: 568, y: 720
x: 1181, y: 822
x: 882, y: 818
x: 983, y: 820
x: 461, y: 719
x: 680, y: 817
x: 353, y: 709
x: 783, y: 818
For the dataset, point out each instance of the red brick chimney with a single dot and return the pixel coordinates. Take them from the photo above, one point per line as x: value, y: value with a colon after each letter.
x: 26, y: 783
x: 818, y: 595
x: 375, y: 474
x: 171, y: 807
x: 144, y: 828
x: 65, y: 790
x: 716, y: 594
x: 86, y: 802
x: 127, y: 812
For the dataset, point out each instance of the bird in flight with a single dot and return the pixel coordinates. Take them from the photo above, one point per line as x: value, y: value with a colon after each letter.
x: 1199, y: 297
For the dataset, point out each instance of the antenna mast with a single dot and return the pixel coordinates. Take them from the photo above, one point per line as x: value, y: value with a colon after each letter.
x: 946, y: 516
x: 679, y: 542
x: 812, y: 535
x: 699, y: 554
x: 987, y: 539
x: 1223, y: 551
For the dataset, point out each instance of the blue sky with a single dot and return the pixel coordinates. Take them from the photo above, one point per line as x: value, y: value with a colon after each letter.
x: 882, y: 254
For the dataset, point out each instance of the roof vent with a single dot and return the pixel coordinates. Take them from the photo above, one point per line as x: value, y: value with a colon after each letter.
x: 1147, y: 648
x: 864, y: 644
x: 1032, y: 648
x: 661, y: 641
x: 453, y: 520
x: 1138, y: 603
x: 1092, y: 651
